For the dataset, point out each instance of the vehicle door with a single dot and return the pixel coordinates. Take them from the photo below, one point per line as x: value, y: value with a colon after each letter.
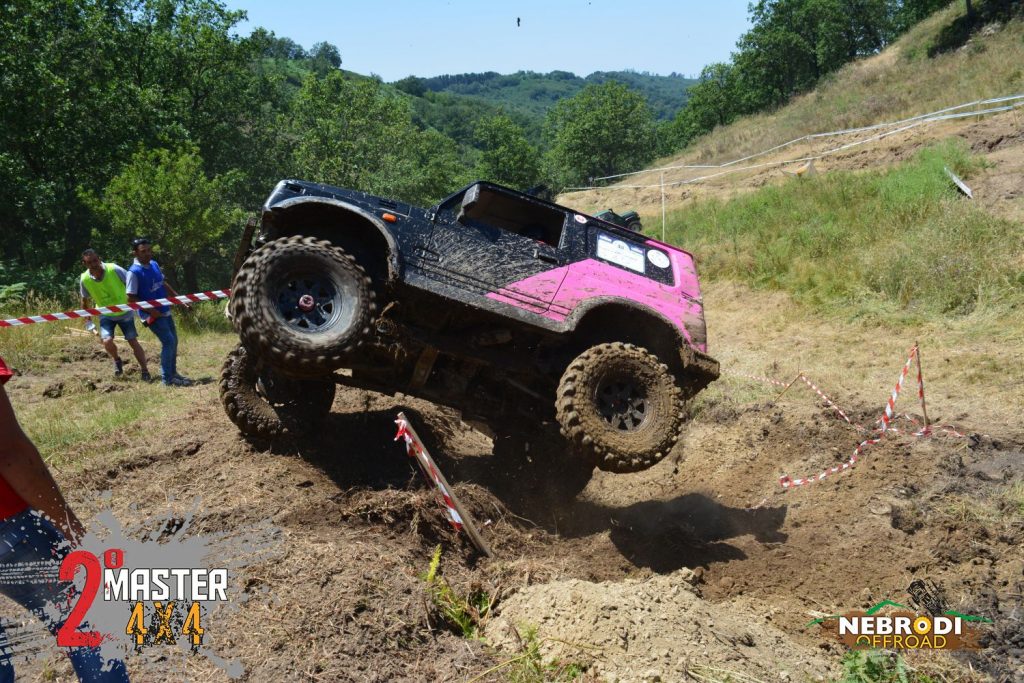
x: 501, y: 246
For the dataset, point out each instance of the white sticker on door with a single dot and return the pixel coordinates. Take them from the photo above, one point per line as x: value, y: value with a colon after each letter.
x: 620, y: 252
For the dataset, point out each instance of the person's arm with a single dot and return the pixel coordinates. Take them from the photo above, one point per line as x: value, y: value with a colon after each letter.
x: 24, y: 470
x: 85, y: 301
x: 170, y: 290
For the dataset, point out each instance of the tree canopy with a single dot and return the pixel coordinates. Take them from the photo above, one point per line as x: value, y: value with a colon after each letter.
x: 602, y: 130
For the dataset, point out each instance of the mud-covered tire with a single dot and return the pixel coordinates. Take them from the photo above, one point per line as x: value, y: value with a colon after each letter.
x: 299, y: 335
x: 620, y: 407
x: 264, y: 404
x: 539, y: 463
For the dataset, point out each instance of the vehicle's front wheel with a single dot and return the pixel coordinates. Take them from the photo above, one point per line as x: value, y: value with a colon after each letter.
x: 263, y: 404
x: 303, y: 304
x: 619, y: 405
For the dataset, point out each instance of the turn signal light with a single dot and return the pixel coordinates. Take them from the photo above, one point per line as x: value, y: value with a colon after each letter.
x: 389, y: 217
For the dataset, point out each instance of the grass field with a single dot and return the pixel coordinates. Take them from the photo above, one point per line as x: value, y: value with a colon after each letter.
x: 898, y: 241
x: 68, y: 400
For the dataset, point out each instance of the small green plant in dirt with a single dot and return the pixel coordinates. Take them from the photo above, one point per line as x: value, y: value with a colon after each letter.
x: 529, y: 665
x: 873, y: 666
x: 462, y: 614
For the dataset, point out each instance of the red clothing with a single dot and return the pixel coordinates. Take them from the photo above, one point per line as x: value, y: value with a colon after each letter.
x: 10, y: 502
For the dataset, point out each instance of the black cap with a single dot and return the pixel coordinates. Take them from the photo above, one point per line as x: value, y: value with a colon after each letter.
x: 139, y: 241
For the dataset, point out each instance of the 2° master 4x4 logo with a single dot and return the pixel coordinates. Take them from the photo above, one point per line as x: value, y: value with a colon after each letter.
x: 893, y: 626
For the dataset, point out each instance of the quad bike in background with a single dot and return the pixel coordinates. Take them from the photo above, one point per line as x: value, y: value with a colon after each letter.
x: 538, y: 323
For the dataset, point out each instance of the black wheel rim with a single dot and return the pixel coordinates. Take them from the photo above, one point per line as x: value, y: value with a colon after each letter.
x: 309, y: 303
x: 622, y: 404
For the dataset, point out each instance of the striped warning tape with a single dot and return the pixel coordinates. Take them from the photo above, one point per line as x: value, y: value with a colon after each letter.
x: 415, y: 449
x: 456, y: 514
x: 122, y: 308
x: 887, y: 416
x: 831, y: 403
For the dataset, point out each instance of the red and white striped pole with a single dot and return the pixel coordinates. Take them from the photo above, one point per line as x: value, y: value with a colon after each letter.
x: 920, y: 393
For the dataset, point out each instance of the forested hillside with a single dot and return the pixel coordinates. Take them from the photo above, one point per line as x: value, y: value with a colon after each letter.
x: 156, y: 117
x: 533, y: 93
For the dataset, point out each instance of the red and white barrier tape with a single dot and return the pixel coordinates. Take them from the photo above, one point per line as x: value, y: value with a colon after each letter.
x: 415, y: 449
x: 759, y: 378
x: 831, y: 403
x: 122, y: 308
x: 890, y: 406
x: 457, y: 515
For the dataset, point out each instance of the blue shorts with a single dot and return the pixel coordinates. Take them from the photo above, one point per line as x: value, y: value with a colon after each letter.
x: 127, y: 325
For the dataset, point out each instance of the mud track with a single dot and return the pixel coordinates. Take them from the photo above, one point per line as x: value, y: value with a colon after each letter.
x: 702, y: 561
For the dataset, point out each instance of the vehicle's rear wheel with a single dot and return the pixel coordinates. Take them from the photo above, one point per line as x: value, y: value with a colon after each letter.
x: 635, y: 225
x: 620, y: 407
x: 303, y: 304
x: 264, y: 404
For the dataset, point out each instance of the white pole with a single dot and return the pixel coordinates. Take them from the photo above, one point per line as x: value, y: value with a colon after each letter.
x: 662, y: 206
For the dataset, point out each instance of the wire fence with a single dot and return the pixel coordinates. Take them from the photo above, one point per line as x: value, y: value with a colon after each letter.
x: 1005, y: 103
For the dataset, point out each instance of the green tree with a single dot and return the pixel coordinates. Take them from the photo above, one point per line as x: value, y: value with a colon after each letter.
x: 359, y: 134
x: 793, y: 43
x: 604, y: 129
x: 324, y: 58
x: 712, y: 102
x: 166, y: 196
x: 86, y: 83
x: 506, y: 156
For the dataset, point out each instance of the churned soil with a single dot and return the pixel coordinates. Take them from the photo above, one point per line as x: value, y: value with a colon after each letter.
x: 699, y: 568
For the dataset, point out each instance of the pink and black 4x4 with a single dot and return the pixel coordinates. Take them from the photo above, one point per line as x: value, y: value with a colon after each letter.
x: 540, y: 324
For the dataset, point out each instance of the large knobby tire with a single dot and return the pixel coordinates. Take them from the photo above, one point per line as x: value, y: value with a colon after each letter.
x: 620, y: 407
x: 302, y: 304
x: 265, y: 404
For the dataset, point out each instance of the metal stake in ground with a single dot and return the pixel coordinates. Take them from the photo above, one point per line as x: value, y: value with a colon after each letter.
x: 920, y: 390
x: 456, y: 513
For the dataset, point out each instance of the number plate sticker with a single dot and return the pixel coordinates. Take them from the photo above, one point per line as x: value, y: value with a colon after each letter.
x: 620, y: 252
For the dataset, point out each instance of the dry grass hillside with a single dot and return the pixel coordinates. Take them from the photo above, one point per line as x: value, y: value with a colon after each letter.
x: 900, y: 82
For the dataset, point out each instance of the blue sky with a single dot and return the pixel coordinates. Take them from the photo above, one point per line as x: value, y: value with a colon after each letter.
x: 401, y: 38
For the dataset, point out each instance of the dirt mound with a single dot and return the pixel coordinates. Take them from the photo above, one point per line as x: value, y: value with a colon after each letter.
x: 651, y: 629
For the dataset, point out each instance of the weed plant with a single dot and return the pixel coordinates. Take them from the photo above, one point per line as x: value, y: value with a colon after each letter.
x: 462, y: 614
x: 899, y: 240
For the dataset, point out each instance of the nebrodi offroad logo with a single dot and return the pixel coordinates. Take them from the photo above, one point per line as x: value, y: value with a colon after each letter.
x: 892, y: 626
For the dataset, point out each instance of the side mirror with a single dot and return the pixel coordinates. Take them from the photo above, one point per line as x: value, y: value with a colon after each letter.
x: 469, y: 200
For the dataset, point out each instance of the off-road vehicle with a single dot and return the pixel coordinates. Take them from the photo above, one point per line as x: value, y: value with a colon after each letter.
x: 529, y: 318
x: 629, y: 220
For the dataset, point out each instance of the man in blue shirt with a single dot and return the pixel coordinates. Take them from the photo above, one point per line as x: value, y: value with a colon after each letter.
x: 145, y: 282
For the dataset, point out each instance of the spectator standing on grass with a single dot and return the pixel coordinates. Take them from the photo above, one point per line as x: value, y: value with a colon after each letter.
x: 145, y: 282
x: 37, y: 528
x: 104, y: 283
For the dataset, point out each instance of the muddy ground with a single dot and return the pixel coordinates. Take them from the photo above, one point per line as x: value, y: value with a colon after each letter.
x: 701, y: 568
